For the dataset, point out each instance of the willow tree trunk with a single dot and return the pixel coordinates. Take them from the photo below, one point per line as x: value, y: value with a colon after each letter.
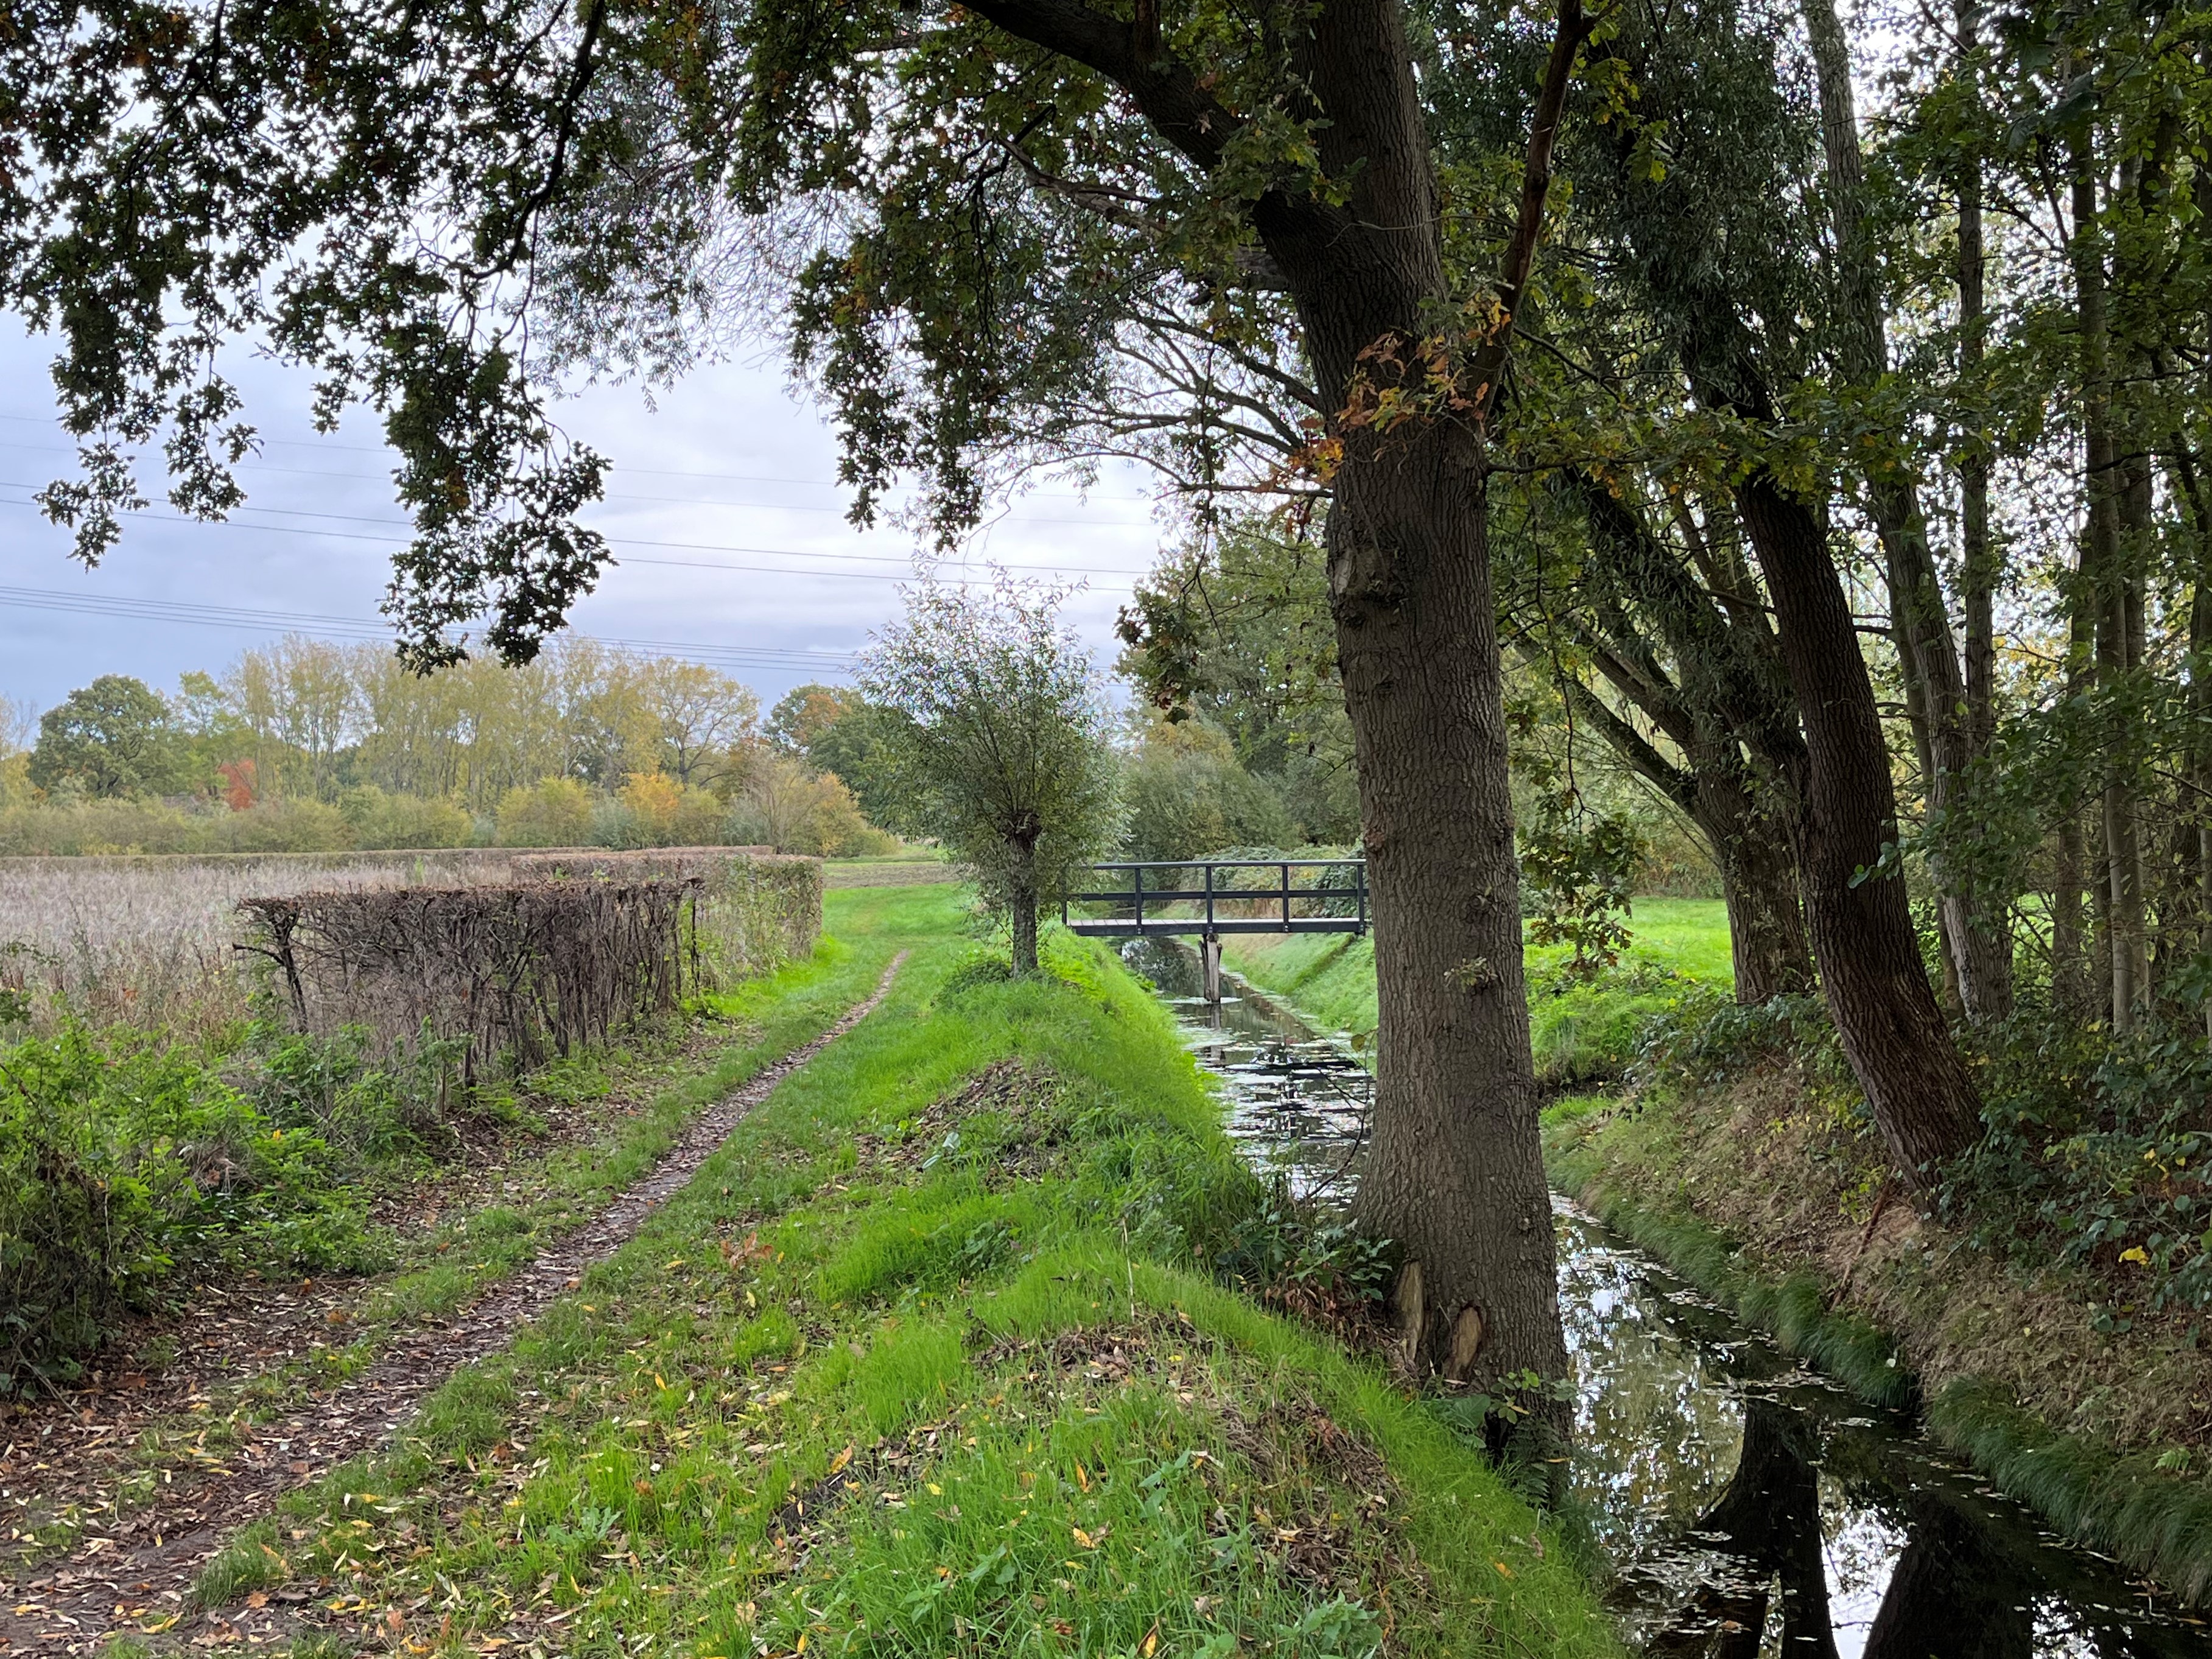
x: 1022, y: 901
x: 1892, y: 1033
x: 1454, y: 1174
x: 1978, y: 940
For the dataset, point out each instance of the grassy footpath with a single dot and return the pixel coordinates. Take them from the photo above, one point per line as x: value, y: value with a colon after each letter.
x: 921, y: 1363
x: 1580, y: 1032
x: 440, y: 1267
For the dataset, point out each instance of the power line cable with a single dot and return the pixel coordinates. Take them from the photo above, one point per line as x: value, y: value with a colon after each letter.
x: 612, y: 541
x: 613, y: 495
x: 642, y: 471
x: 357, y: 629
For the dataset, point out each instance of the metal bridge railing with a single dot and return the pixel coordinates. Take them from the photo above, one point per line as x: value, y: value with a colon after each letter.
x: 1207, y: 897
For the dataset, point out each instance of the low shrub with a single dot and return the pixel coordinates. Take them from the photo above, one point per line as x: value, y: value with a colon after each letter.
x: 1308, y: 1259
x: 2096, y: 1153
x: 126, y: 1162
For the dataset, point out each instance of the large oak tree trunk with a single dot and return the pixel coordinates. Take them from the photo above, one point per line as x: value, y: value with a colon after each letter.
x: 1892, y: 1031
x: 1454, y: 1172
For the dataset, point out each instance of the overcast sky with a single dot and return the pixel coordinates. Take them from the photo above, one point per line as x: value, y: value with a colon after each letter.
x: 721, y: 508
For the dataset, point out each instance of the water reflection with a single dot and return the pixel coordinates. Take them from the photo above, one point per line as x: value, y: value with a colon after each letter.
x: 1299, y: 1103
x: 1749, y: 1510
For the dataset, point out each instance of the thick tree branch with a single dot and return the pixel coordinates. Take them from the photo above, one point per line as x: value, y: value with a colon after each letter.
x: 1129, y: 55
x: 1535, y: 186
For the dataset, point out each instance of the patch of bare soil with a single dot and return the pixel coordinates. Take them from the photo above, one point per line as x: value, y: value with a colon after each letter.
x: 139, y: 1572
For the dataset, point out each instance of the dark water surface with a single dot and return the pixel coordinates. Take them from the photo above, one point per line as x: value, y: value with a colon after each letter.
x: 1748, y: 1507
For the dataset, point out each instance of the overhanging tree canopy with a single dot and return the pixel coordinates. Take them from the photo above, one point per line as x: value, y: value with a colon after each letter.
x: 1002, y: 231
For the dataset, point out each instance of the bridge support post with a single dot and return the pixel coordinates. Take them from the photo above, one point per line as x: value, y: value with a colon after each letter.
x: 1209, y: 953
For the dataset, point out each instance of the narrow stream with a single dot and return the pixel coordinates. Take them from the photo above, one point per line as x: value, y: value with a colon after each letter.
x: 1746, y: 1506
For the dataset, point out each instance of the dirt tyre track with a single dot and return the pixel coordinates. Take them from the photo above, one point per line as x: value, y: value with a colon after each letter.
x: 104, y: 1587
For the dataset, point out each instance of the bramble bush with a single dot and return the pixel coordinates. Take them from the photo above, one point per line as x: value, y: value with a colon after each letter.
x: 127, y: 1164
x: 2096, y: 1153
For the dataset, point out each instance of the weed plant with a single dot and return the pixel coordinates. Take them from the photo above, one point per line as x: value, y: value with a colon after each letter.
x: 2096, y: 1155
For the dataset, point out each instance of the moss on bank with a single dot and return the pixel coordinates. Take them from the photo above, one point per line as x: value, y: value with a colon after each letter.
x: 923, y: 1362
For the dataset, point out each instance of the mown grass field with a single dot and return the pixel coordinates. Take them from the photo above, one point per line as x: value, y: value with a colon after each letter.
x: 1582, y: 1032
x: 929, y: 1360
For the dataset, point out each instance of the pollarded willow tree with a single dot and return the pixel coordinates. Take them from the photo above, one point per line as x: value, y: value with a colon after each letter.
x: 1003, y: 753
x: 1001, y: 231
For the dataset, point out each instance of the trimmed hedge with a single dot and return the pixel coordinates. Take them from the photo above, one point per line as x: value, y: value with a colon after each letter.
x: 756, y: 912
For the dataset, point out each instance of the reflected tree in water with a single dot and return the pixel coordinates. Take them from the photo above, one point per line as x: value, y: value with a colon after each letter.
x: 1954, y: 1593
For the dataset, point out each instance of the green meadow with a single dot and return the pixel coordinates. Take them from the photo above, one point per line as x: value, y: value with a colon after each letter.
x: 1583, y: 1030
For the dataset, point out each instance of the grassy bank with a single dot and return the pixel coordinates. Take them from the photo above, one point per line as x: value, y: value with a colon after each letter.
x: 926, y: 1361
x: 1581, y: 1030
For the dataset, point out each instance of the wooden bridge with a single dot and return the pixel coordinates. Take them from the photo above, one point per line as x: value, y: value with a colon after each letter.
x: 1206, y: 898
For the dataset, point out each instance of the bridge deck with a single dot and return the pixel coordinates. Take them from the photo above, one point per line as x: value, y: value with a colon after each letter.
x: 1222, y: 902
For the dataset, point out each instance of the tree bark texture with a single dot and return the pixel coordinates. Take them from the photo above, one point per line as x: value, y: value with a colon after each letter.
x: 1978, y: 945
x: 2126, y: 946
x: 1885, y: 1015
x: 1021, y: 902
x: 1454, y: 1174
x: 1758, y: 882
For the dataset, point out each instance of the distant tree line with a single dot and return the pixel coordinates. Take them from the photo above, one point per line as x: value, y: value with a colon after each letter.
x: 308, y: 745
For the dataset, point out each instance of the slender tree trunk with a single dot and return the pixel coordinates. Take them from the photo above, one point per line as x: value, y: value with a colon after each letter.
x: 2190, y: 484
x: 1765, y: 916
x: 2103, y: 574
x: 1892, y: 1031
x: 1021, y: 902
x: 1977, y: 943
x: 1980, y: 567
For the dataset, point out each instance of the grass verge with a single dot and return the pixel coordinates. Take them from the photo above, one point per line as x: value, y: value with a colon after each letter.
x: 924, y: 1362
